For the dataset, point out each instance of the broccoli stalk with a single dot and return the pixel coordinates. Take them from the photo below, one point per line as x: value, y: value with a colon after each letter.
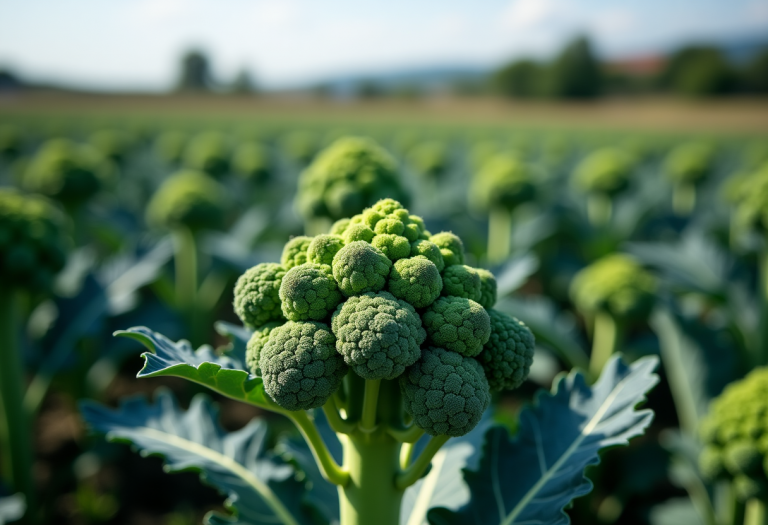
x: 601, y: 176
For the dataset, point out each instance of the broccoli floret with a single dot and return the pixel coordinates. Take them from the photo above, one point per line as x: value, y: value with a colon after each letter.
x: 616, y: 284
x: 208, y: 152
x: 309, y: 292
x: 415, y: 280
x: 359, y: 268
x: 300, y: 145
x: 112, y: 143
x: 169, y: 146
x: 255, y: 344
x: 190, y: 199
x: 690, y: 162
x: 605, y: 171
x: 488, y: 288
x: 300, y: 366
x: 508, y: 354
x: 430, y: 159
x: 252, y: 161
x: 457, y: 324
x: 378, y: 335
x: 34, y: 240
x: 462, y: 281
x: 735, y: 436
x: 429, y: 250
x: 295, y: 252
x: 445, y: 392
x: 324, y: 248
x: 357, y: 231
x: 450, y: 246
x: 257, y: 295
x: 340, y: 226
x: 393, y: 246
x: 503, y: 182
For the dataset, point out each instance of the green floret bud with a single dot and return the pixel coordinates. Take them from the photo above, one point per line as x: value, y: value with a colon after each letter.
x: 309, y: 292
x: 445, y: 392
x: 503, y: 182
x: 429, y: 250
x: 324, y: 248
x: 340, y: 226
x: 416, y: 281
x: 747, y: 487
x: 711, y: 463
x: 508, y: 354
x: 488, y: 288
x: 378, y: 335
x: 450, y: 246
x: 359, y: 268
x: 188, y: 199
x: 358, y: 232
x: 255, y: 345
x: 605, y: 171
x: 257, y: 295
x: 300, y: 366
x: 742, y: 457
x: 461, y: 281
x: 34, y: 240
x: 393, y: 246
x: 457, y: 324
x: 689, y: 162
x: 616, y: 284
x: 295, y: 252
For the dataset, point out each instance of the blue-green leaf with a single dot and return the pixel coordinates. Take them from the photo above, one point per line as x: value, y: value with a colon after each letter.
x: 532, y: 477
x: 260, y: 489
x: 238, y: 339
x: 225, y: 374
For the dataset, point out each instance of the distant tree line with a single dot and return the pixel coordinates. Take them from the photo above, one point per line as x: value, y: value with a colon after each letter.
x: 576, y: 73
x: 195, y: 76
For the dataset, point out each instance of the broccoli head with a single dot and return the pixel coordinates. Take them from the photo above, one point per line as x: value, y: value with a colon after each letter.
x: 508, y: 354
x: 113, y: 144
x: 67, y: 172
x: 257, y: 295
x: 360, y: 267
x: 460, y: 280
x: 488, y: 288
x: 457, y: 324
x: 188, y: 199
x: 378, y: 335
x: 429, y: 250
x: 349, y: 175
x: 445, y: 392
x: 503, y: 182
x: 309, y: 292
x: 300, y: 366
x: 429, y: 159
x: 208, y: 152
x: 605, y: 171
x: 735, y: 436
x: 252, y: 161
x: 324, y: 248
x: 34, y: 240
x: 450, y: 246
x: 415, y: 280
x: 295, y: 252
x: 616, y: 284
x: 689, y: 162
x: 169, y: 146
x: 255, y: 344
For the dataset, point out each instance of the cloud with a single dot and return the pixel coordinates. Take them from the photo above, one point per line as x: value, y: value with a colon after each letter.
x: 614, y: 22
x: 154, y: 11
x: 532, y: 14
x: 277, y: 12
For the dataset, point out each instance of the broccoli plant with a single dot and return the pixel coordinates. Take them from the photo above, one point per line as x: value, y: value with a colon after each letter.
x: 602, y: 175
x: 686, y: 166
x: 34, y: 240
x: 380, y: 358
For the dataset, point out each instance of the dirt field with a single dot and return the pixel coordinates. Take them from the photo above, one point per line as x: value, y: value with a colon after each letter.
x: 728, y: 116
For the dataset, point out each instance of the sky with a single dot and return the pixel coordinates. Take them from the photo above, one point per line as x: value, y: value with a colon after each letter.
x: 136, y: 44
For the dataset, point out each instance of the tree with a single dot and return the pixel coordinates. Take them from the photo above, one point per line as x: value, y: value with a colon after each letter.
x: 575, y: 73
x: 243, y: 83
x: 520, y: 79
x: 698, y: 71
x: 195, y: 72
x: 755, y: 74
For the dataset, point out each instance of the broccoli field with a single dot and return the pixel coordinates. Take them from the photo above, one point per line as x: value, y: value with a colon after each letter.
x: 381, y: 321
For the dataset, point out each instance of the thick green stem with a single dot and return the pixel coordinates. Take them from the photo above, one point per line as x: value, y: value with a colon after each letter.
x: 499, y: 234
x: 605, y: 338
x: 730, y: 510
x: 328, y: 466
x: 336, y: 422
x: 683, y: 199
x: 599, y: 209
x: 17, y: 448
x: 756, y: 513
x: 417, y: 469
x: 761, y: 358
x: 371, y: 496
x: 370, y: 405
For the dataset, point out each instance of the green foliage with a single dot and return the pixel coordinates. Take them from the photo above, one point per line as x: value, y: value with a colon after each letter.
x: 378, y: 335
x: 34, y: 240
x: 188, y: 199
x: 360, y: 267
x: 605, y: 171
x: 690, y: 162
x: 194, y: 74
x: 520, y: 79
x: 169, y: 146
x: 735, y: 435
x: 446, y: 392
x: 349, y: 175
x: 300, y: 366
x: 67, y: 172
x: 416, y: 280
x: 575, y: 73
x: 257, y: 295
x: 252, y: 161
x: 112, y: 143
x: 309, y: 292
x: 461, y: 280
x: 697, y: 72
x: 508, y: 354
x: 504, y: 181
x: 301, y: 146
x: 451, y: 247
x: 457, y: 324
x: 616, y: 284
x: 429, y: 159
x: 755, y: 75
x: 208, y: 152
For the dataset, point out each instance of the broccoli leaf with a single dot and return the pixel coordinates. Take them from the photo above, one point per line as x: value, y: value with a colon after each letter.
x: 259, y: 488
x: 12, y: 508
x: 532, y: 477
x: 224, y: 374
x: 238, y: 338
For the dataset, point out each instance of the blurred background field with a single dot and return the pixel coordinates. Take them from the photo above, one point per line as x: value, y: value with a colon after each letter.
x: 545, y: 156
